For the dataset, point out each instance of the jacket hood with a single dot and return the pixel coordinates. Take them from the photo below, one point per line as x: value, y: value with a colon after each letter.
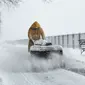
x: 35, y: 25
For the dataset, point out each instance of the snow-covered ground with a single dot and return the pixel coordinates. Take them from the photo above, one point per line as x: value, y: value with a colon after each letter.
x: 18, y: 67
x: 75, y: 53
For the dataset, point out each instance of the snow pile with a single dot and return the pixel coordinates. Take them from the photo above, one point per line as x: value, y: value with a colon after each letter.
x: 40, y: 42
x: 74, y: 54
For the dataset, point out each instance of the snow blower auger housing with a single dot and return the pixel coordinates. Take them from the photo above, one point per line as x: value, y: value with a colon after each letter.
x: 42, y: 48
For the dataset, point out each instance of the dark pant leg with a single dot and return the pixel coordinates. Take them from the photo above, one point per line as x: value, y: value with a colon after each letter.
x: 30, y: 43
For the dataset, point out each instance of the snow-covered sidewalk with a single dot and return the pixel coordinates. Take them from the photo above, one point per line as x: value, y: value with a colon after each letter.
x: 17, y: 67
x: 75, y: 54
x: 57, y: 77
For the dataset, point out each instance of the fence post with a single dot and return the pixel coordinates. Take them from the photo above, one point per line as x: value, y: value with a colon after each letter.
x: 79, y: 39
x: 67, y: 40
x: 79, y: 36
x: 51, y: 39
x: 63, y: 40
x: 58, y: 40
x: 73, y: 40
x: 55, y: 40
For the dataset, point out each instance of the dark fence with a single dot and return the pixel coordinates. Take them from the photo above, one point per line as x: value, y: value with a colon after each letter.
x: 69, y: 40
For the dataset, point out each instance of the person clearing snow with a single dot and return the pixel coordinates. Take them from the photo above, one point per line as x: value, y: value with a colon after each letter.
x: 35, y: 32
x: 37, y: 43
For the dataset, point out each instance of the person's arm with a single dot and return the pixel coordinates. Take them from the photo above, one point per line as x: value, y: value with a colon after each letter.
x: 42, y: 34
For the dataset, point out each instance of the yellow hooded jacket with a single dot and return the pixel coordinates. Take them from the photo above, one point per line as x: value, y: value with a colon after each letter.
x: 35, y: 32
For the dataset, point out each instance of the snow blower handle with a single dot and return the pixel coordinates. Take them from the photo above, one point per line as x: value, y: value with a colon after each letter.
x: 35, y: 42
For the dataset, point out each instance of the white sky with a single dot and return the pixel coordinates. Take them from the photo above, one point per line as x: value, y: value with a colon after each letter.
x: 58, y: 17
